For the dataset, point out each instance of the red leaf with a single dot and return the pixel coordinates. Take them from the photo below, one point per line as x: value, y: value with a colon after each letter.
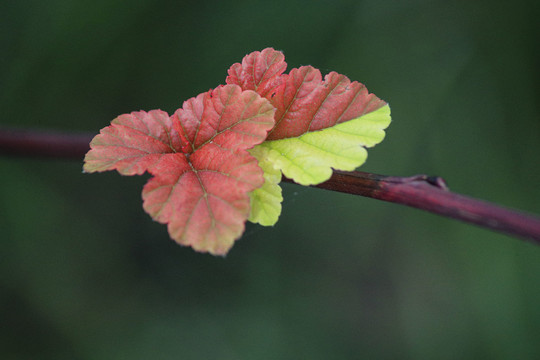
x: 202, y: 171
x: 204, y: 200
x: 132, y: 143
x: 259, y: 71
x: 303, y: 100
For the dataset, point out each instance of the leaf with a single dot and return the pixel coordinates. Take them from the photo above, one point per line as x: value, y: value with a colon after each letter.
x: 309, y: 158
x: 305, y: 103
x: 320, y: 124
x: 202, y: 171
x: 259, y: 71
x: 132, y: 143
x: 205, y: 200
x: 266, y: 200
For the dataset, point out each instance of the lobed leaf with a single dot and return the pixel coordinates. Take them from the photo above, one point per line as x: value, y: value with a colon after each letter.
x: 211, y: 169
x: 259, y: 71
x: 306, y: 103
x: 133, y: 143
x: 202, y: 171
x: 205, y: 200
x: 320, y: 124
x: 309, y: 158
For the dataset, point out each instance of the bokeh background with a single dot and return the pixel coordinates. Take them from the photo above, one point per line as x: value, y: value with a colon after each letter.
x: 86, y: 274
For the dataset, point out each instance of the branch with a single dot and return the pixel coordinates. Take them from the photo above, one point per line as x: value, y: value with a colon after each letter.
x: 431, y: 194
x: 44, y: 144
x: 421, y: 191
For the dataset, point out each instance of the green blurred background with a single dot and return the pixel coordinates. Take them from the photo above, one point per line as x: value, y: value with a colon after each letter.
x: 86, y: 274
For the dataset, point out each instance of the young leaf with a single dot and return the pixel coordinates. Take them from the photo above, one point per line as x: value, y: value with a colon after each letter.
x: 309, y: 158
x: 132, y: 143
x: 320, y: 124
x: 202, y: 171
x: 266, y: 200
x: 259, y: 71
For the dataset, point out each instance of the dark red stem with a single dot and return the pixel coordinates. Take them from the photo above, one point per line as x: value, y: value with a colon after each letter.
x: 431, y: 194
x: 421, y: 191
x: 47, y: 144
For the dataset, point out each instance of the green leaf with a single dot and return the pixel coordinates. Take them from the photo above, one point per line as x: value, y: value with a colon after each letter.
x: 310, y: 158
x: 266, y: 200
